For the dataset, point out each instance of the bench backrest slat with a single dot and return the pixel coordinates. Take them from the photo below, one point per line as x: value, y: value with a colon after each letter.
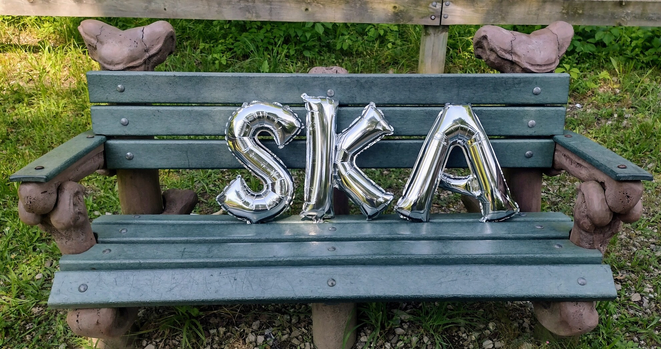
x: 528, y: 108
x: 407, y: 121
x: 349, y: 89
x: 208, y: 154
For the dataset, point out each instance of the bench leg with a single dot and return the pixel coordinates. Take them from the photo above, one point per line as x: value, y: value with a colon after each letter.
x: 334, y: 326
x: 109, y: 325
x: 139, y: 192
x: 567, y: 319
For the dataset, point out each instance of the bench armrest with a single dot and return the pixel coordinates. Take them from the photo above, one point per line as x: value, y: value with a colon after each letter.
x: 50, y: 197
x: 604, y: 160
x: 65, y: 158
x: 610, y: 192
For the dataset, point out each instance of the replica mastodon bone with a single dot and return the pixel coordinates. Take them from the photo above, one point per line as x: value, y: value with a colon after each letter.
x: 567, y: 319
x: 602, y: 203
x: 514, y: 52
x: 141, y: 48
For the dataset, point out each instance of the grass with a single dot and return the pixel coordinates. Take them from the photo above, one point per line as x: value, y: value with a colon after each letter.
x: 43, y: 103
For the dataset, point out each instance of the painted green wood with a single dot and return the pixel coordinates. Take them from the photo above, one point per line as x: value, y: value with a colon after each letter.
x: 313, y: 253
x: 163, y: 229
x: 602, y: 158
x: 349, y: 89
x: 167, y: 287
x: 129, y: 229
x: 204, y: 154
x: 59, y: 159
x: 407, y: 121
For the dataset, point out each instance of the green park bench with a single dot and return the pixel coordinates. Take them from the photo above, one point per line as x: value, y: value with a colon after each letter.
x: 166, y: 260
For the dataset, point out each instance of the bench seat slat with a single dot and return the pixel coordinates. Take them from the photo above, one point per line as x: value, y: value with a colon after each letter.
x: 166, y: 287
x: 209, y: 154
x: 183, y: 255
x: 163, y: 229
x: 349, y: 89
x: 407, y: 121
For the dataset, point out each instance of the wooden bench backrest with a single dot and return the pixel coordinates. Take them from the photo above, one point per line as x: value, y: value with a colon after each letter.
x: 199, y: 104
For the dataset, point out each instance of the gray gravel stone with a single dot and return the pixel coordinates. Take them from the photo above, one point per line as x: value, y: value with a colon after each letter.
x: 487, y: 344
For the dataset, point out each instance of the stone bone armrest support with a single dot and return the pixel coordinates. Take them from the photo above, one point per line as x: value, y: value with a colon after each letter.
x: 609, y: 195
x: 610, y: 192
x: 50, y: 197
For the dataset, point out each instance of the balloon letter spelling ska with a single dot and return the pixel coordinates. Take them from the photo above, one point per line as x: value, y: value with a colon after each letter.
x: 368, y: 129
x: 331, y: 159
x: 457, y: 126
x: 241, y: 135
x: 320, y: 149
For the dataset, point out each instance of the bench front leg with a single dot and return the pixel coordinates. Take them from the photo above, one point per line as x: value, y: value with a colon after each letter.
x: 603, y: 202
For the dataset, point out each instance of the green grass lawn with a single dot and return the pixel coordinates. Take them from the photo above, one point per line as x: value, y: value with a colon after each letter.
x: 615, y: 100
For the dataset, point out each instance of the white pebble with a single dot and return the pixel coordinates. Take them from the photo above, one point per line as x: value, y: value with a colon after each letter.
x: 635, y: 297
x: 487, y: 344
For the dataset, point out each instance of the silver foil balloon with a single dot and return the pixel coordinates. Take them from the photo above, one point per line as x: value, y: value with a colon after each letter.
x: 241, y: 135
x: 320, y: 152
x: 457, y: 126
x: 366, y: 130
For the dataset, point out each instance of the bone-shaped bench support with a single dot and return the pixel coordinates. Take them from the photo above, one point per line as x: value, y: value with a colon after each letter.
x: 137, y: 49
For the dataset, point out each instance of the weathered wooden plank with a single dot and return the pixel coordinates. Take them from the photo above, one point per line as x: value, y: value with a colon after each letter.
x: 433, y: 46
x: 576, y: 12
x: 315, y: 253
x: 348, y: 89
x: 207, y: 154
x: 59, y: 159
x: 407, y: 121
x: 129, y: 288
x: 366, y: 11
x: 602, y: 158
x: 199, y: 229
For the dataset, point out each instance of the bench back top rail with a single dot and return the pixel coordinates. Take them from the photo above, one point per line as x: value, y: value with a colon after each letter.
x: 509, y: 105
x: 427, y: 12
